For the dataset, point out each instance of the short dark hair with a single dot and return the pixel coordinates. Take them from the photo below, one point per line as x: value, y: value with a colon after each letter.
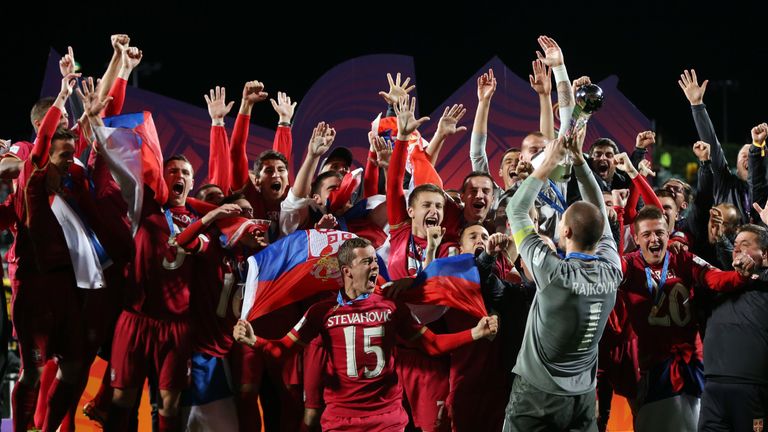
x: 269, y: 155
x: 760, y: 232
x: 176, y: 157
x: 510, y: 150
x: 40, y: 108
x: 648, y: 212
x: 461, y: 231
x: 474, y: 174
x: 63, y: 133
x: 206, y: 186
x: 420, y: 189
x: 687, y: 189
x: 663, y: 193
x: 604, y: 142
x: 231, y: 198
x: 586, y: 223
x: 317, y: 183
x: 347, y: 250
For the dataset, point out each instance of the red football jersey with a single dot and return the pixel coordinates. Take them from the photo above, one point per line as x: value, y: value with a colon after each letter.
x: 359, y: 338
x: 162, y: 273
x: 665, y: 319
x: 406, y: 257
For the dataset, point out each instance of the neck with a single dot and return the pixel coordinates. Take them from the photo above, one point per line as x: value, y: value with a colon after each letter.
x: 176, y: 202
x: 571, y: 248
x: 419, y: 232
x: 352, y: 292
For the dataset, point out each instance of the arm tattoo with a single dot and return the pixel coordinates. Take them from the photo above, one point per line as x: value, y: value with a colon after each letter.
x: 564, y: 94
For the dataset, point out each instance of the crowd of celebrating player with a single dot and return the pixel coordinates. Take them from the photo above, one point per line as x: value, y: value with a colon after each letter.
x: 592, y: 286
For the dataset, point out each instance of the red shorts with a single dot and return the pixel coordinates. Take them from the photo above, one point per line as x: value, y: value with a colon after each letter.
x: 247, y: 366
x: 395, y: 420
x: 425, y: 381
x: 315, y: 361
x: 141, y: 342
x: 46, y: 316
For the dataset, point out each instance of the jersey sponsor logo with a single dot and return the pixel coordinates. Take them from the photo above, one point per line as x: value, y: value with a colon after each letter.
x: 590, y: 289
x: 371, y: 317
x: 183, y: 219
x: 14, y: 149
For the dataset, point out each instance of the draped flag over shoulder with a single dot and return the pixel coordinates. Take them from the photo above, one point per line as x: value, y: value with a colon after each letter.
x: 452, y: 282
x: 292, y: 269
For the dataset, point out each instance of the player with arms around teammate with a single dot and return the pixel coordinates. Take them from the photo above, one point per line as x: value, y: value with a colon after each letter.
x: 358, y: 329
x: 557, y: 365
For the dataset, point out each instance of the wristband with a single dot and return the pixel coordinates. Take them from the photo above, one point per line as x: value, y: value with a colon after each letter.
x: 561, y: 74
x: 761, y: 146
x: 286, y: 124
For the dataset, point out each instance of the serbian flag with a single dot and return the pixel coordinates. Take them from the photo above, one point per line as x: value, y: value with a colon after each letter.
x: 292, y: 269
x: 149, y: 153
x: 450, y: 282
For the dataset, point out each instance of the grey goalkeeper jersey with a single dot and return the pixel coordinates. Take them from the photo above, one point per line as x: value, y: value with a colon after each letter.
x: 573, y: 298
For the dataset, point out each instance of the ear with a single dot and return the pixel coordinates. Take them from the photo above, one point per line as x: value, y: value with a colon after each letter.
x: 411, y: 212
x: 346, y: 271
x: 568, y: 232
x: 316, y: 199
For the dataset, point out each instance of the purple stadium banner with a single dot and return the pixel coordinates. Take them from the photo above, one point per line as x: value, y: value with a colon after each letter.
x: 347, y: 97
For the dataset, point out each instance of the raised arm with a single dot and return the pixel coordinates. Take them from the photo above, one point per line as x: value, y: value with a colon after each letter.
x: 486, y: 86
x: 446, y: 128
x: 219, y: 163
x: 283, y: 138
x: 434, y: 344
x: 319, y: 143
x: 541, y: 83
x: 758, y: 181
x: 643, y: 140
x: 379, y: 154
x: 130, y: 59
x: 407, y: 123
x: 39, y: 155
x: 119, y: 42
x: 639, y: 188
x: 253, y: 92
x: 694, y: 92
x: 553, y: 57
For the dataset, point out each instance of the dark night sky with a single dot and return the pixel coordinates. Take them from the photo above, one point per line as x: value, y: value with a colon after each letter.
x: 646, y: 45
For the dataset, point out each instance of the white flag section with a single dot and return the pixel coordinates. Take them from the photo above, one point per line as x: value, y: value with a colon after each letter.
x: 89, y: 272
x: 121, y: 149
x: 251, y: 285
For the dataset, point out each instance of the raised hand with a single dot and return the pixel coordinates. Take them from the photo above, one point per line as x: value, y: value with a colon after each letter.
x: 396, y: 90
x: 382, y: 148
x: 283, y: 107
x: 253, y: 92
x: 328, y: 221
x: 434, y: 237
x: 449, y: 120
x: 620, y: 197
x: 717, y: 228
x: 701, y: 150
x: 541, y: 80
x: 644, y: 168
x: 120, y: 42
x: 690, y: 85
x: 131, y: 57
x: 68, y: 84
x: 580, y: 81
x: 623, y: 163
x: 218, y: 107
x: 321, y: 139
x: 759, y: 133
x: 486, y: 86
x: 498, y: 242
x: 523, y: 170
x: 67, y: 63
x: 487, y: 328
x: 406, y: 120
x: 762, y: 212
x: 553, y: 55
x: 645, y: 139
x: 90, y: 98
